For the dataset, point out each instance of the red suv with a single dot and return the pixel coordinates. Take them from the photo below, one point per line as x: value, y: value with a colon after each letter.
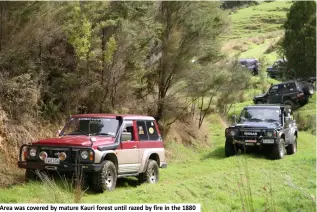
x: 104, y: 146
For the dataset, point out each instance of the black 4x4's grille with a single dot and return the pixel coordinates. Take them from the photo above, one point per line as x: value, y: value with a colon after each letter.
x: 250, y: 133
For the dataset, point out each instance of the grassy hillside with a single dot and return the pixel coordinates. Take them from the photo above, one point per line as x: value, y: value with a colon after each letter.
x: 255, y: 31
x: 208, y: 178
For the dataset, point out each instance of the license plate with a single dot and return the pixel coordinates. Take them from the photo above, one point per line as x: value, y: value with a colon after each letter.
x: 250, y: 141
x: 250, y: 144
x: 268, y: 141
x: 52, y: 160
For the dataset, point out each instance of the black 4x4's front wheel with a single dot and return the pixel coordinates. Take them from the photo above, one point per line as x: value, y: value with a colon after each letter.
x: 230, y: 148
x: 151, y: 175
x: 278, y: 150
x: 290, y: 103
x: 106, y: 179
x: 292, y: 148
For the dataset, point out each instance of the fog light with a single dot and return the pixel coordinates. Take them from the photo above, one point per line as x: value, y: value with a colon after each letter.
x: 43, y: 155
x: 33, y: 152
x: 84, y: 155
x: 62, y: 156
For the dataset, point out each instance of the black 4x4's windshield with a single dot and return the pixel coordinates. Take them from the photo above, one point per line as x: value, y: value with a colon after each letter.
x: 91, y: 126
x: 260, y: 115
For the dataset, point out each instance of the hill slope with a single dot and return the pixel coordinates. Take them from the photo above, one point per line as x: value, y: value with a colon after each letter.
x: 256, y: 30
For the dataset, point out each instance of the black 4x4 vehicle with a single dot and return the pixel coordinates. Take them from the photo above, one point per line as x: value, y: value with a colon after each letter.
x: 289, y: 93
x: 263, y: 126
x: 277, y: 69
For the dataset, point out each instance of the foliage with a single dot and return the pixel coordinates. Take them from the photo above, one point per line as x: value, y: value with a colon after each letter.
x: 237, y: 4
x: 189, y: 30
x: 299, y: 43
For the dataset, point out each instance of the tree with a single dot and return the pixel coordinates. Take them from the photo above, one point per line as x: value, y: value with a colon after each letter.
x: 237, y: 4
x: 189, y: 30
x: 299, y: 43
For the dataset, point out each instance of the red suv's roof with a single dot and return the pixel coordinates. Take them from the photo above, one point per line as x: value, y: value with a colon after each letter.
x: 103, y: 115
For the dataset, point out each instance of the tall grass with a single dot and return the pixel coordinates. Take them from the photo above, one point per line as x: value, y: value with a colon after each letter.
x: 62, y: 191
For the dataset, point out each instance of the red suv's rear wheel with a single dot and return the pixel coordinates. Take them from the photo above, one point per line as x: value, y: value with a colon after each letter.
x: 151, y: 175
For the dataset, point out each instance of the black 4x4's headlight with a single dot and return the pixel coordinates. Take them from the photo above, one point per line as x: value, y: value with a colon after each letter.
x: 230, y: 132
x: 271, y: 133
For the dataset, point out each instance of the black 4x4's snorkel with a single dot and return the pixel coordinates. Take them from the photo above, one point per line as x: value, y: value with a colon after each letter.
x: 116, y: 139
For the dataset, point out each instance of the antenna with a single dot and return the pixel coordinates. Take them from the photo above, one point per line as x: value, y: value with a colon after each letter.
x: 88, y: 127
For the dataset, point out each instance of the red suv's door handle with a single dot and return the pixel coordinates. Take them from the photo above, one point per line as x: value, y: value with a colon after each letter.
x: 134, y: 147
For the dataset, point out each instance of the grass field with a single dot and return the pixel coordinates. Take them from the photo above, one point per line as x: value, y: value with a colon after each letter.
x: 208, y: 178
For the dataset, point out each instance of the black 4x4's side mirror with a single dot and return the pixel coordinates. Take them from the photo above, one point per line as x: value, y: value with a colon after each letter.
x: 288, y: 111
x: 126, y: 136
x: 234, y: 118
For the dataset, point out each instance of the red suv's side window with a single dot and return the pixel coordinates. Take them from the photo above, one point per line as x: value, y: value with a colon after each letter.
x: 142, y: 131
x: 153, y: 136
x: 147, y: 131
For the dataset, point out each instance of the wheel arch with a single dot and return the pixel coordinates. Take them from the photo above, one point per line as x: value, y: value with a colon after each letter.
x: 154, y: 155
x: 286, y: 98
x: 282, y: 135
x: 111, y: 157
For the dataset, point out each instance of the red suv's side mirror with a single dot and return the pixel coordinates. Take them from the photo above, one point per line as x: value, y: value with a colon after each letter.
x: 58, y: 132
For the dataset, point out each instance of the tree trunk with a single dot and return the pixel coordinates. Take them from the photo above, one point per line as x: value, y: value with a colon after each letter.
x: 103, y: 64
x: 1, y: 24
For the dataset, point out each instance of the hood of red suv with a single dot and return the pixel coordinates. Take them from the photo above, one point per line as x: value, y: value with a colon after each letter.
x: 75, y: 141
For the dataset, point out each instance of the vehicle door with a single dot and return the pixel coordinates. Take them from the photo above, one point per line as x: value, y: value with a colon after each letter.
x: 275, y: 94
x: 128, y: 155
x: 288, y: 90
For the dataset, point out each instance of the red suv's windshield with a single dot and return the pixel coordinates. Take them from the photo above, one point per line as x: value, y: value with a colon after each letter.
x: 91, y: 126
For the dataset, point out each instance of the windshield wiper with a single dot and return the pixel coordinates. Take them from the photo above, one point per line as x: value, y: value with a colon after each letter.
x: 102, y: 134
x: 76, y: 133
x: 254, y: 119
x: 271, y: 120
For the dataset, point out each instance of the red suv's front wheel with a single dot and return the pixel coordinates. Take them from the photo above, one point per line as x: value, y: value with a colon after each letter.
x: 106, y: 179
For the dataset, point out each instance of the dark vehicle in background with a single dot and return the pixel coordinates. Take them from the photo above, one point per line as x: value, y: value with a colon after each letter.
x: 279, y: 69
x: 310, y: 81
x: 268, y: 127
x: 292, y: 93
x: 251, y: 64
